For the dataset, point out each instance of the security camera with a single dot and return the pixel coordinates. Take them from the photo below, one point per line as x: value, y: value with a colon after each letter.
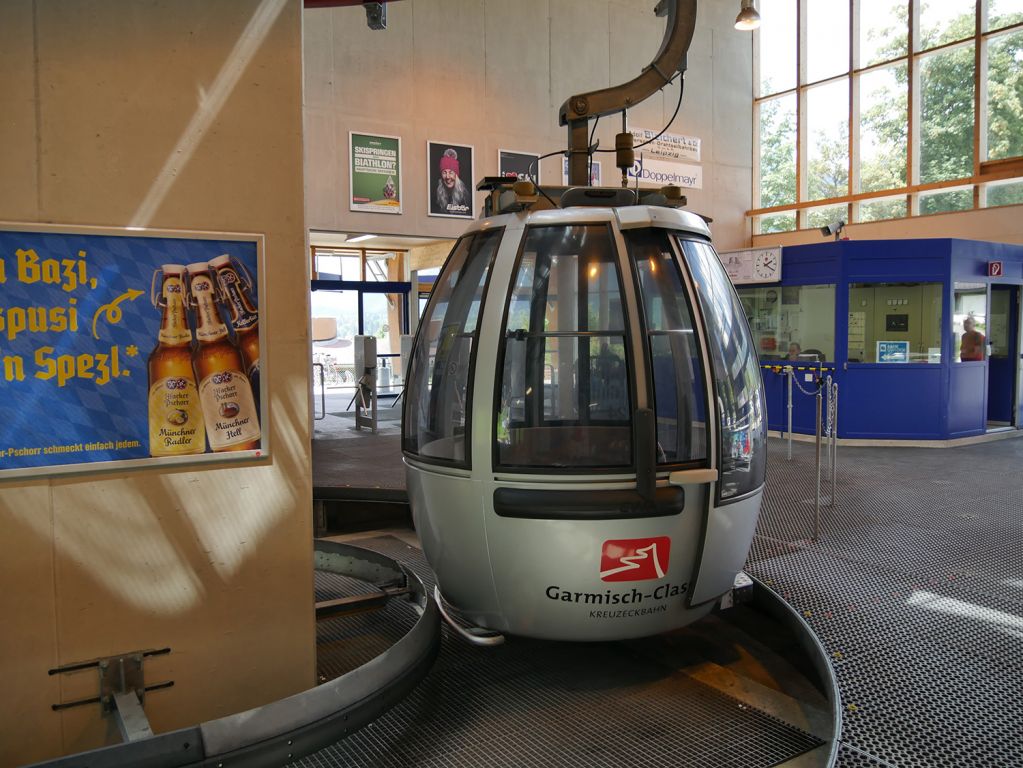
x: 834, y: 228
x: 376, y: 15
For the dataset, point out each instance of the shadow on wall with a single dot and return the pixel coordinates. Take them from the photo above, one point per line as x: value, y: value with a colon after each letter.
x: 201, y: 561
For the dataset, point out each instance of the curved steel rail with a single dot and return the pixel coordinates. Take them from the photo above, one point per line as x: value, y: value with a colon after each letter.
x: 285, y: 730
x: 772, y: 604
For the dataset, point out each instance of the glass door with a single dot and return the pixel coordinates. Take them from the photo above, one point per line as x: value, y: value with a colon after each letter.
x: 336, y: 312
x: 382, y: 316
x: 1017, y: 348
x: 1001, y: 346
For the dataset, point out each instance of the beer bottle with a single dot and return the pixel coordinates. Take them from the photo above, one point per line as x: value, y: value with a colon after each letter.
x: 175, y: 418
x: 244, y: 315
x: 232, y: 423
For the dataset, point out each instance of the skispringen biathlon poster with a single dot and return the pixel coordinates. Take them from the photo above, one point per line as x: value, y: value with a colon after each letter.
x: 374, y: 173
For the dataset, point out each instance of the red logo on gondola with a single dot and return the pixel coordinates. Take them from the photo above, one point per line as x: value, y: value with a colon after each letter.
x: 635, y: 559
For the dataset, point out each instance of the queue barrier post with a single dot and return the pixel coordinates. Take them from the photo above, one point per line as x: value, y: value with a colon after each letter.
x: 791, y: 375
x: 834, y: 441
x: 817, y: 496
x: 826, y: 427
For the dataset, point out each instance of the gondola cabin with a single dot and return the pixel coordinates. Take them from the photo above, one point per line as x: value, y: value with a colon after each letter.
x: 584, y: 429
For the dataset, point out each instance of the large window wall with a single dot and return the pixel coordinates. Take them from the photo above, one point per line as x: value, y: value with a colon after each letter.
x: 869, y: 110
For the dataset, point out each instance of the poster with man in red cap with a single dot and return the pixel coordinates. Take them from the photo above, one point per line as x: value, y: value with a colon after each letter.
x: 451, y: 176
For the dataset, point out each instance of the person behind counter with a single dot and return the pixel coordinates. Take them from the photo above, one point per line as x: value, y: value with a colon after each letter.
x: 972, y: 345
x: 794, y: 351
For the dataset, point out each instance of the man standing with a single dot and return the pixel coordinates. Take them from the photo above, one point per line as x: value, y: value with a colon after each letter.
x: 971, y: 347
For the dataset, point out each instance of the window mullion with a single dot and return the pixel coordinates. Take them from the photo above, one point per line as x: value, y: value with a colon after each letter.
x: 755, y: 112
x: 757, y: 117
x: 854, y: 101
x: 979, y: 97
x: 854, y: 135
x: 757, y: 88
x: 980, y: 66
x: 913, y: 106
x: 855, y: 57
x: 801, y: 137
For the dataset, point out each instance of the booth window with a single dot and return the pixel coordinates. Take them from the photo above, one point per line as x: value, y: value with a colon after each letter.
x: 895, y: 322
x: 736, y: 375
x: 970, y: 322
x: 438, y: 393
x: 792, y: 322
x: 565, y: 399
x: 679, y: 386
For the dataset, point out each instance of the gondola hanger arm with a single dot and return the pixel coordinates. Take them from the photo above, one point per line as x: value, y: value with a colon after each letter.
x: 577, y: 111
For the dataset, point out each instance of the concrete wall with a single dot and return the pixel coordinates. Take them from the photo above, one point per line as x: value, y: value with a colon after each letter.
x: 492, y: 74
x: 176, y: 114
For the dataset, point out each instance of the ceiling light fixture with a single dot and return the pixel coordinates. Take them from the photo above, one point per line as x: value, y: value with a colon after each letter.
x: 360, y: 238
x: 748, y: 18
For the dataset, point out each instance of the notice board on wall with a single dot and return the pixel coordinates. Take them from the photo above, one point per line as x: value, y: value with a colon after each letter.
x: 127, y: 348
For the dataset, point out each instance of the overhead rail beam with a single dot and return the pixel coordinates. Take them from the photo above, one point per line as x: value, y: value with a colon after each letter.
x: 342, y: 3
x: 671, y: 58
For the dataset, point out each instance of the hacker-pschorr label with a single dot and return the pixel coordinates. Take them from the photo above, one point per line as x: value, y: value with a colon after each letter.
x: 627, y: 560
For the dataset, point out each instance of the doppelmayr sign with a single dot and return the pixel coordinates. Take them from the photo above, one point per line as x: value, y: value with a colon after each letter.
x: 658, y: 173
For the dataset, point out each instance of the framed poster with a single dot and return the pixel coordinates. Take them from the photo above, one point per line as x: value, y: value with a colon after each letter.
x: 450, y: 175
x: 594, y: 172
x: 123, y: 348
x: 524, y: 166
x: 374, y: 173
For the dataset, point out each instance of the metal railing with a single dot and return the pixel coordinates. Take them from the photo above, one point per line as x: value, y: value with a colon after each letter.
x: 323, y: 395
x: 286, y: 730
x: 825, y: 393
x: 342, y: 375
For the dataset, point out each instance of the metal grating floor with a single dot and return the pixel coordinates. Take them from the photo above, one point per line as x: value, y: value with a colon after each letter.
x: 534, y: 703
x: 342, y: 644
x: 915, y: 588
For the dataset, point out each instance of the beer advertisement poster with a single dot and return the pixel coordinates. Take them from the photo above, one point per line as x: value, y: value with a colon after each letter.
x: 127, y: 348
x: 450, y: 176
x: 374, y: 173
x: 524, y: 166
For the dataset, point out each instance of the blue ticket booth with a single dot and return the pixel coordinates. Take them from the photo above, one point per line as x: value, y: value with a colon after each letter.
x: 922, y: 336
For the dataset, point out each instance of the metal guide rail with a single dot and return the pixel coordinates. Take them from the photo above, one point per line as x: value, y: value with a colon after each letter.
x: 827, y: 426
x: 285, y: 730
x: 701, y: 694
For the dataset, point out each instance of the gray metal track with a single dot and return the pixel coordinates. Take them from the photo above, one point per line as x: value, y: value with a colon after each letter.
x: 536, y: 703
x: 915, y: 590
x: 275, y: 733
